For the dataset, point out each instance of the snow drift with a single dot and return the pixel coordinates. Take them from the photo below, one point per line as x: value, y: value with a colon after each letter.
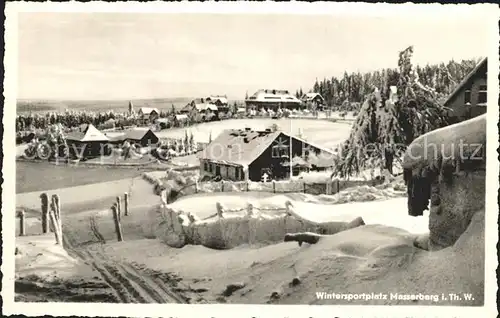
x: 178, y: 229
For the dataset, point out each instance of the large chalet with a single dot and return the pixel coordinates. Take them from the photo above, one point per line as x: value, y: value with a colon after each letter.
x: 469, y: 98
x: 272, y: 99
x: 248, y: 155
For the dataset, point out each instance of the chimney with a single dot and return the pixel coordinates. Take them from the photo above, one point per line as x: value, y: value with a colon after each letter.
x: 248, y: 129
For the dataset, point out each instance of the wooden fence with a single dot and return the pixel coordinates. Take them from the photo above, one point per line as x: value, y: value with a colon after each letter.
x: 51, y: 217
x: 316, y: 188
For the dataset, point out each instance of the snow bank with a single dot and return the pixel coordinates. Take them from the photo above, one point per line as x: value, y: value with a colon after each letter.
x: 39, y: 255
x: 445, y: 173
x: 178, y: 229
x: 458, y: 141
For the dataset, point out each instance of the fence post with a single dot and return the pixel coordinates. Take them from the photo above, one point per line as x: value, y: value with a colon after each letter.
x: 125, y: 203
x: 274, y: 186
x: 222, y: 186
x: 338, y: 186
x: 57, y: 206
x: 249, y: 209
x: 219, y: 208
x: 21, y: 223
x: 329, y: 187
x: 118, y: 227
x: 304, y: 183
x: 164, y: 197
x: 196, y: 186
x: 119, y: 207
x: 55, y: 223
x: 56, y: 209
x: 45, y: 212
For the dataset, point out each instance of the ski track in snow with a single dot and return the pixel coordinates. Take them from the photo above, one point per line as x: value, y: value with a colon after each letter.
x: 129, y: 283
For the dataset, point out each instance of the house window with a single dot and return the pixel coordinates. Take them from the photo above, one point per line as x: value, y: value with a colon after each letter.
x: 206, y: 166
x: 209, y: 167
x: 217, y: 170
x: 237, y: 173
x: 481, y: 98
x: 467, y: 97
x: 280, y: 151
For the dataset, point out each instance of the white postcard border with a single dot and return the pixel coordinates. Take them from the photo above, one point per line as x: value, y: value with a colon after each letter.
x: 489, y: 12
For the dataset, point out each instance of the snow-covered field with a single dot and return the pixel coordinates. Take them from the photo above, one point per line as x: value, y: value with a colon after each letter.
x: 91, y: 196
x: 322, y: 132
x: 377, y: 257
x: 389, y: 212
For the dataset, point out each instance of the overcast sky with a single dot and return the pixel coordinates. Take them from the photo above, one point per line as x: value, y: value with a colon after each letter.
x: 128, y: 56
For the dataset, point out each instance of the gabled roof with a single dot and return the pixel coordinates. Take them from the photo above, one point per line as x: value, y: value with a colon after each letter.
x: 230, y: 146
x: 273, y: 96
x: 132, y: 134
x: 186, y: 108
x: 148, y: 110
x: 137, y: 133
x: 90, y: 133
x: 311, y: 96
x: 205, y: 106
x: 222, y: 99
x: 482, y: 66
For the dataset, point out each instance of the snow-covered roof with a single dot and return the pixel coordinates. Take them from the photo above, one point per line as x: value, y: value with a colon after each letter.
x: 214, y: 98
x: 430, y: 148
x: 205, y: 106
x: 462, y: 147
x: 273, y: 96
x: 89, y: 134
x: 148, y: 110
x: 242, y: 147
x: 181, y: 117
x: 311, y: 96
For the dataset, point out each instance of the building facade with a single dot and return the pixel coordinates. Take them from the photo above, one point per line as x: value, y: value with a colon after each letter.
x: 314, y: 101
x: 148, y: 114
x: 88, y: 143
x: 249, y: 155
x: 220, y: 101
x: 469, y: 98
x: 272, y: 99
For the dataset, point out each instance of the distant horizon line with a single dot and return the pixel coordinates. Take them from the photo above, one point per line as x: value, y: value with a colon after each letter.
x: 112, y: 99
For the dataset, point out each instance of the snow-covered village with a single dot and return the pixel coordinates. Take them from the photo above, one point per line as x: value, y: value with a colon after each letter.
x: 216, y: 163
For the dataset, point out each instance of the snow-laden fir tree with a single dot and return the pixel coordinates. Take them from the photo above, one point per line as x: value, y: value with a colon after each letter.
x: 389, y: 120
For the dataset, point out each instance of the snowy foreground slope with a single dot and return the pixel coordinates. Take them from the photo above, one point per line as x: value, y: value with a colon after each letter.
x: 378, y: 257
x: 367, y: 259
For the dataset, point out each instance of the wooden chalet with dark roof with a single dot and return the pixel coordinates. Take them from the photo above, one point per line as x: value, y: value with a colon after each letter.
x: 87, y: 143
x: 138, y: 136
x: 469, y: 98
x: 248, y: 154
